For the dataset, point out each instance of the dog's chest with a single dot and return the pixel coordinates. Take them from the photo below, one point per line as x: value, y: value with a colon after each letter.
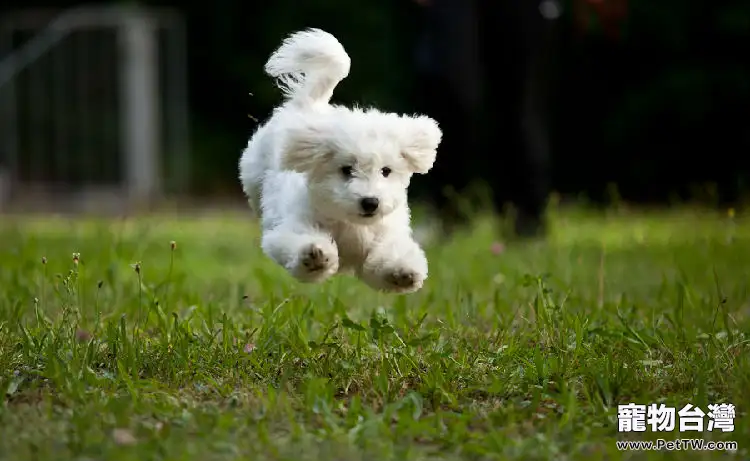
x: 354, y: 243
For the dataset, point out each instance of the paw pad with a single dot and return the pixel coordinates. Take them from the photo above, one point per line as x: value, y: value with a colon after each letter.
x: 402, y: 278
x: 315, y: 259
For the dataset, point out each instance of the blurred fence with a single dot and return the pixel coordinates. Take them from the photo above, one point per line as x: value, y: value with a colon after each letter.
x: 628, y: 102
x: 93, y: 106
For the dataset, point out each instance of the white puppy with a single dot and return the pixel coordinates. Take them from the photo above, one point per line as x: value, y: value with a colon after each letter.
x: 330, y: 183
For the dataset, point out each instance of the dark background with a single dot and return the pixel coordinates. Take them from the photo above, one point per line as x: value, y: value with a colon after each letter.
x: 660, y: 109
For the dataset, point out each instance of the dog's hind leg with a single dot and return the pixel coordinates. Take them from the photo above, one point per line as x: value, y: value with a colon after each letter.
x: 308, y: 255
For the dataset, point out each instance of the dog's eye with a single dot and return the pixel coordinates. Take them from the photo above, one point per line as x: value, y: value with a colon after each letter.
x: 385, y: 171
x: 347, y: 171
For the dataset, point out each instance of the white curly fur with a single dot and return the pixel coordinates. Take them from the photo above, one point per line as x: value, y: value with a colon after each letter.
x: 308, y: 169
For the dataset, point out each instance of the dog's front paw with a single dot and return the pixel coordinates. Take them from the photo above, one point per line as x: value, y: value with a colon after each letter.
x: 316, y: 262
x: 314, y: 258
x: 399, y: 266
x: 403, y: 280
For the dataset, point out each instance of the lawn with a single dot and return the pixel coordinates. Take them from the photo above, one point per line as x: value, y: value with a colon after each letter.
x: 174, y: 338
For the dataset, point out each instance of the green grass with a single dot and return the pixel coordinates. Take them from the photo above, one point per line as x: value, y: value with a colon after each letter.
x: 211, y: 352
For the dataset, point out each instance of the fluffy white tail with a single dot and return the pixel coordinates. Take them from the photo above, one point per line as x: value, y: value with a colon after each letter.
x: 308, y: 65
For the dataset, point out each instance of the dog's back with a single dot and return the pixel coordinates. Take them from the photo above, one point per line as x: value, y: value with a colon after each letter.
x: 307, y: 67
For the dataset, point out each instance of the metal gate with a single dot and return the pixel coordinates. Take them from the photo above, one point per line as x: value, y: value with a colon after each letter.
x: 93, y: 104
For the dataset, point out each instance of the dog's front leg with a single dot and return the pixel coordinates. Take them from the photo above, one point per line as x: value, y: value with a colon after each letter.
x: 396, y: 263
x: 308, y: 254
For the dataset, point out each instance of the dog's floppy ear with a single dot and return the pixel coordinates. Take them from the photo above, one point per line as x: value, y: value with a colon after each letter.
x: 420, y: 138
x: 305, y: 148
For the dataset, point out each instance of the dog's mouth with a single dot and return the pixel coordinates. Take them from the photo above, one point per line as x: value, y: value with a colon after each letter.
x: 367, y: 215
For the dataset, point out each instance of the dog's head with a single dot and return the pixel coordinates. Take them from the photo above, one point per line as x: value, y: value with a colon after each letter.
x: 359, y: 163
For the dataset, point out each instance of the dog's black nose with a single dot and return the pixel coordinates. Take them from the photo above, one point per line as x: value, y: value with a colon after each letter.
x: 369, y: 204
